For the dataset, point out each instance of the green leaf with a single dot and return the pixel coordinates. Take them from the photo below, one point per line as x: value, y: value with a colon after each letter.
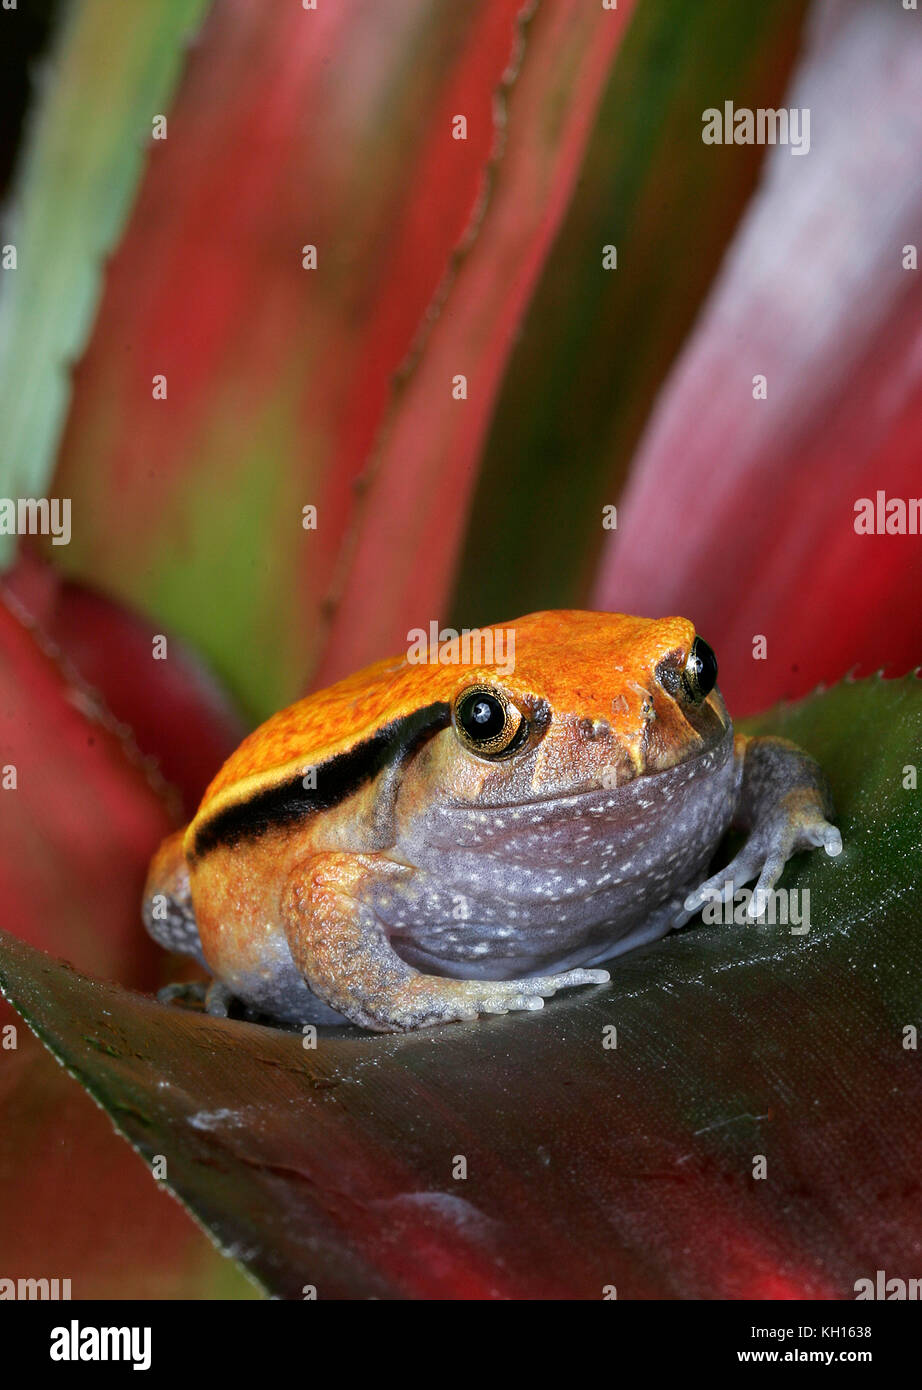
x: 596, y: 343
x: 82, y: 163
x: 585, y: 1166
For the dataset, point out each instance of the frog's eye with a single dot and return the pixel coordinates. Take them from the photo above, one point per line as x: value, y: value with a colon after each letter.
x: 700, y: 674
x: 487, y: 722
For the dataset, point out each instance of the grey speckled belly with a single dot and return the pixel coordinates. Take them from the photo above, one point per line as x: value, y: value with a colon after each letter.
x: 507, y: 891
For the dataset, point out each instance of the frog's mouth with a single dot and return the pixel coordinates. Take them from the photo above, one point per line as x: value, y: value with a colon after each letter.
x: 709, y: 757
x: 676, y: 736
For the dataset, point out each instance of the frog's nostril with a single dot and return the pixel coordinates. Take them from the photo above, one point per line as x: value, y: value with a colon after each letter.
x: 594, y: 729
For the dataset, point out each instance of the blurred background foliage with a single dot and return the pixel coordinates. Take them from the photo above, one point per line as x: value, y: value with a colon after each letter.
x: 286, y: 387
x: 24, y: 44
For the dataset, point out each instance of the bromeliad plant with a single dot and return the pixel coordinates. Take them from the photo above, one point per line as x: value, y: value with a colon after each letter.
x: 332, y: 321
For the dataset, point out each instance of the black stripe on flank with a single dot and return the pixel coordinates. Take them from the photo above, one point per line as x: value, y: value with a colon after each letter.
x: 336, y: 779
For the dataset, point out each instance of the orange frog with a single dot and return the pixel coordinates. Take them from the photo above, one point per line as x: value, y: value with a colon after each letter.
x: 424, y: 843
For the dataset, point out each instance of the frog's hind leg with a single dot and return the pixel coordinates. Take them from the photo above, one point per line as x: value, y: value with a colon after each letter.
x: 785, y: 806
x: 170, y: 919
x: 167, y: 912
x: 344, y: 955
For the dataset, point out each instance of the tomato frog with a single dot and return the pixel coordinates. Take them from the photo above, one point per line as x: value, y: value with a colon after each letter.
x: 422, y: 843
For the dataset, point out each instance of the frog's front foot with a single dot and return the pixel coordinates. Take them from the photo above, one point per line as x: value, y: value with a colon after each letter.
x: 215, y: 997
x: 218, y: 999
x: 184, y: 990
x: 785, y: 806
x: 346, y: 959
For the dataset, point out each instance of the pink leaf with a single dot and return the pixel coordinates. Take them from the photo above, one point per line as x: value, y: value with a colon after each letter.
x: 740, y: 512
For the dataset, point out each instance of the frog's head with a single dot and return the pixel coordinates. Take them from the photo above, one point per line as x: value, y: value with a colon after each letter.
x: 552, y: 705
x: 578, y: 701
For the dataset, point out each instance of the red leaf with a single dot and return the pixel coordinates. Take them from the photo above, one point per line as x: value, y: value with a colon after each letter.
x: 76, y: 832
x: 76, y: 1203
x: 421, y: 481
x: 740, y: 512
x: 329, y: 127
x: 82, y: 820
x: 177, y: 714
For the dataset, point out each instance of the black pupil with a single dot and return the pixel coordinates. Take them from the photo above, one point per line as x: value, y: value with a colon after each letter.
x: 482, y: 717
x: 705, y: 666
